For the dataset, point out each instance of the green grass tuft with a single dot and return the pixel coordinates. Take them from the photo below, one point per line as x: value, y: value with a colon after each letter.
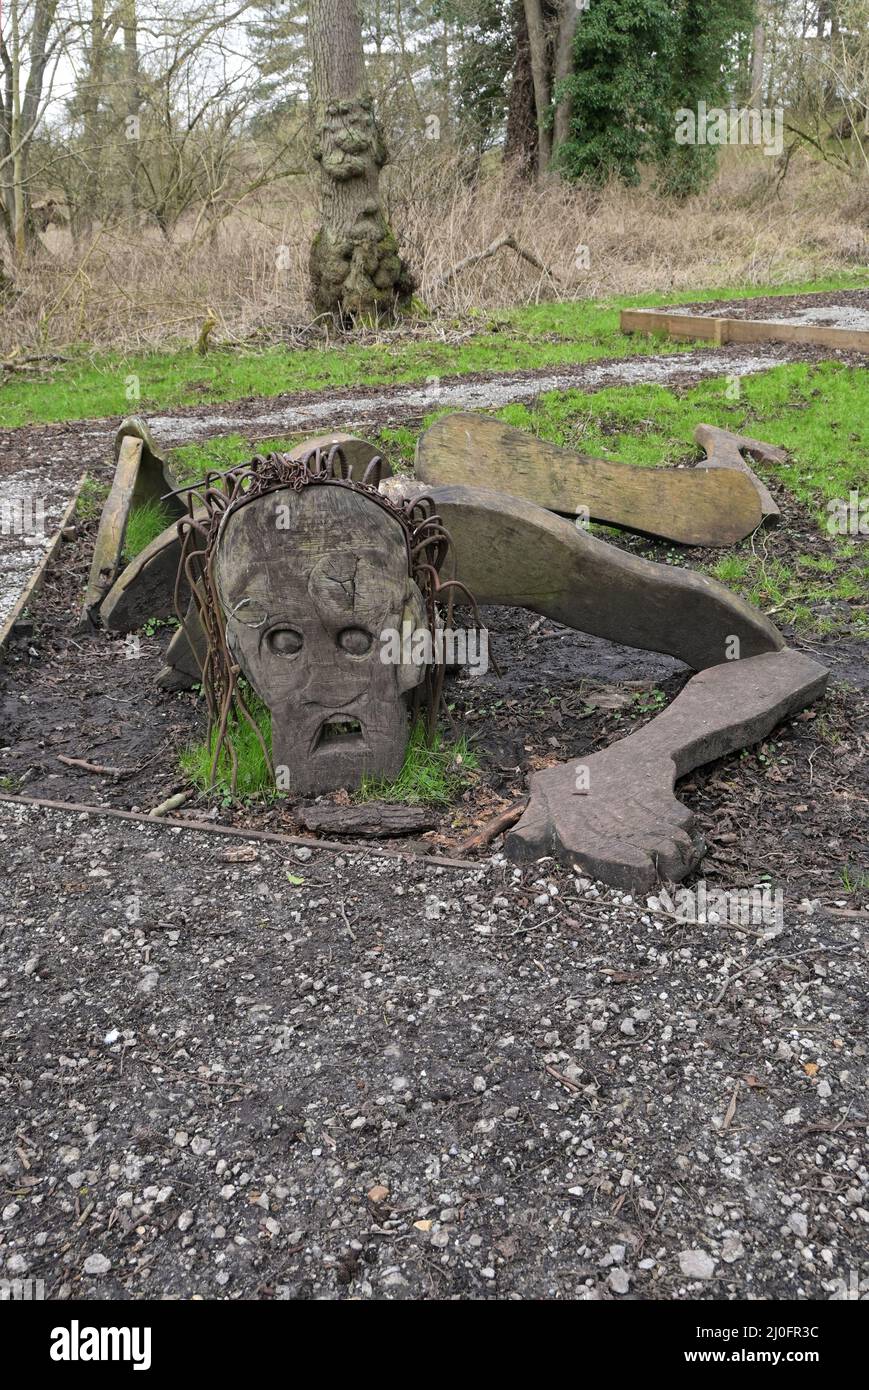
x: 91, y: 497
x: 144, y: 524
x: 253, y: 774
x: 432, y: 775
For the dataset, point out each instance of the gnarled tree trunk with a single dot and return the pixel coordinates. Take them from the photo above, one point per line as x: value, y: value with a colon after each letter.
x: 356, y: 271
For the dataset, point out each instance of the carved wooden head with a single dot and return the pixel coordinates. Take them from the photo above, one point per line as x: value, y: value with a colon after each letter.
x: 308, y: 581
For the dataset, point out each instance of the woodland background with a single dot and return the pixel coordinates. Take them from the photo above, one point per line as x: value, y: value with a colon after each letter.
x: 156, y: 177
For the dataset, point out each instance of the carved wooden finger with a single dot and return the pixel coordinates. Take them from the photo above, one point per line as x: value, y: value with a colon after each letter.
x: 513, y: 553
x: 141, y: 476
x: 694, y: 506
x: 727, y: 450
x: 614, y: 814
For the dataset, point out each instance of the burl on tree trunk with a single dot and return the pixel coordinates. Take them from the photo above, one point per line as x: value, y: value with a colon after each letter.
x: 355, y: 267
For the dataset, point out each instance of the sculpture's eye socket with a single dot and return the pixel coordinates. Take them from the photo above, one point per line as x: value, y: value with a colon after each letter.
x: 285, y: 641
x: 355, y: 640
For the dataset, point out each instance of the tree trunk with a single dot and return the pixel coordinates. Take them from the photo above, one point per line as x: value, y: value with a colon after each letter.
x: 132, y: 127
x: 91, y: 94
x: 20, y: 109
x: 540, y: 77
x: 758, y: 52
x: 520, y: 141
x: 568, y: 15
x: 356, y: 271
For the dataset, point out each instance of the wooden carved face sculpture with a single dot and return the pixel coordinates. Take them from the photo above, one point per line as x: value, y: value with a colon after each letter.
x: 308, y: 581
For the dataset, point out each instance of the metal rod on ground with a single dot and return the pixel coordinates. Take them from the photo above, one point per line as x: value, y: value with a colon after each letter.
x: 240, y: 832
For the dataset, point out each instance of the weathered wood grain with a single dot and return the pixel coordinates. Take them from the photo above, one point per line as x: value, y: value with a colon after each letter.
x: 727, y: 450
x: 727, y: 330
x: 693, y: 506
x: 308, y: 581
x: 511, y: 552
x: 141, y: 476
x: 372, y: 820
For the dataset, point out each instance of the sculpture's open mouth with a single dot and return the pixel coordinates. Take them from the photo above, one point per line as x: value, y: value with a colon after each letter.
x: 338, y: 732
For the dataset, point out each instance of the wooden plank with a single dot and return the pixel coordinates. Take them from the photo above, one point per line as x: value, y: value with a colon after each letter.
x: 693, y: 506
x: 141, y: 476
x: 729, y: 330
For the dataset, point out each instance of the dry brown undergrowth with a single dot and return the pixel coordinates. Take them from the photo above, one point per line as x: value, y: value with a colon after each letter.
x: 136, y: 291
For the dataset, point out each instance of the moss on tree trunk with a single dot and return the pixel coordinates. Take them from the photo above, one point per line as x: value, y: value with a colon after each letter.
x: 355, y: 268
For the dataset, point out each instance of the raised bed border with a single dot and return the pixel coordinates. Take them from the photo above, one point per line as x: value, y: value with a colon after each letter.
x: 726, y: 330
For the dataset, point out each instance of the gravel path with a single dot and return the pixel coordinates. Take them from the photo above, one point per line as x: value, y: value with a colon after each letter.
x: 390, y: 405
x: 76, y: 444
x: 238, y: 1071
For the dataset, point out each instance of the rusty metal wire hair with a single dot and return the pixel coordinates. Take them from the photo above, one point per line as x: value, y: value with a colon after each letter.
x: 427, y: 544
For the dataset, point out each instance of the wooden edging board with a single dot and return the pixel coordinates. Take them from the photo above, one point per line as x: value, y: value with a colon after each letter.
x: 725, y: 330
x: 34, y: 583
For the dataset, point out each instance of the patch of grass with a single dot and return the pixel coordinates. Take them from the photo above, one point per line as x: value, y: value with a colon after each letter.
x: 254, y: 777
x: 432, y: 775
x: 91, y: 497
x: 855, y: 880
x: 398, y: 444
x: 190, y: 462
x: 730, y: 568
x: 151, y: 626
x: 144, y: 524
x: 534, y: 336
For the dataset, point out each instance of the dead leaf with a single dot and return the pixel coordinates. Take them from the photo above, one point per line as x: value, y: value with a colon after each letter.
x: 245, y: 854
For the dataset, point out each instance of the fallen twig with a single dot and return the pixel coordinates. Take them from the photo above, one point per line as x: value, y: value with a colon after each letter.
x: 493, y: 828
x: 90, y: 767
x: 171, y: 803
